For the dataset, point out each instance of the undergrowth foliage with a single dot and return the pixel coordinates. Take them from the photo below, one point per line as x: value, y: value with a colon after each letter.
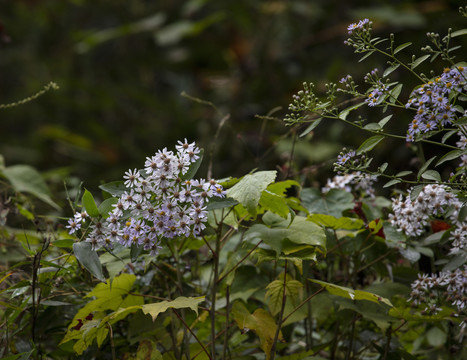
x: 165, y: 266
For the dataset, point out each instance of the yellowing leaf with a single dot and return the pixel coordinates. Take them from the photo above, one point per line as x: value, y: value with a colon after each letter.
x: 181, y: 302
x: 351, y: 293
x: 261, y: 322
x: 275, y: 292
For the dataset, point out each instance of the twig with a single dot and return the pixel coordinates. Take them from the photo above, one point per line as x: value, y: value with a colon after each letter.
x: 192, y: 333
x: 281, y: 315
x: 237, y: 264
x: 112, y: 345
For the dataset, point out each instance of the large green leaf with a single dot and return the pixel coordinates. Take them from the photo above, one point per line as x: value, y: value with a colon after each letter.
x: 181, y: 302
x: 275, y: 292
x: 114, y: 188
x: 334, y: 202
x: 330, y: 221
x: 275, y: 203
x: 299, y: 231
x: 25, y: 178
x: 114, y: 296
x: 89, y: 259
x: 248, y: 190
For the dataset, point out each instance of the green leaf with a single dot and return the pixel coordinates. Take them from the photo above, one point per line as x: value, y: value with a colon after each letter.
x: 448, y: 135
x: 181, y: 302
x: 114, y: 188
x: 311, y: 127
x: 190, y: 174
x: 120, y: 285
x: 418, y: 61
x: 459, y: 33
x: 220, y: 203
x: 89, y: 204
x: 383, y: 167
x: 436, y: 337
x: 434, y: 238
x: 280, y: 188
x: 384, y: 120
x: 25, y: 178
x: 248, y: 190
x: 64, y: 243
x: 401, y: 47
x: 116, y: 261
x: 275, y: 203
x: 352, y: 294
x: 344, y: 113
x: 334, y: 202
x: 135, y: 251
x: 275, y: 291
x: 403, y: 173
x: 425, y: 166
x: 300, y: 231
x: 390, y: 69
x: 394, y: 93
x: 370, y: 143
x: 454, y: 154
x: 89, y: 259
x: 106, y: 207
x: 372, y: 127
x: 431, y: 175
x: 329, y: 221
x: 369, y: 53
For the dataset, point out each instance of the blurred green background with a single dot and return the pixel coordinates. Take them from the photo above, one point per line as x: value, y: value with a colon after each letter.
x: 122, y: 65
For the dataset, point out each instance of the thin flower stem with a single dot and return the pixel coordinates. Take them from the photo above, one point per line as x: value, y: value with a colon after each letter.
x: 397, y: 60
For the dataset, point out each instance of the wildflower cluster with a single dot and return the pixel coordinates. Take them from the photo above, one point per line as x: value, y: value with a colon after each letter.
x: 349, y: 83
x: 433, y: 101
x: 158, y: 203
x: 447, y: 286
x: 350, y: 161
x: 412, y: 216
x: 462, y: 145
x: 356, y: 180
x: 378, y: 90
x: 360, y: 35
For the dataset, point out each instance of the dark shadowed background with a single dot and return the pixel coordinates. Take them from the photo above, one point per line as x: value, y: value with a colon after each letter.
x: 122, y: 65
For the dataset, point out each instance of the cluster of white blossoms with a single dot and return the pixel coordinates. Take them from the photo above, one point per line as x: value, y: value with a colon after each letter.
x: 356, y: 180
x: 412, y: 216
x: 158, y: 203
x: 450, y: 286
